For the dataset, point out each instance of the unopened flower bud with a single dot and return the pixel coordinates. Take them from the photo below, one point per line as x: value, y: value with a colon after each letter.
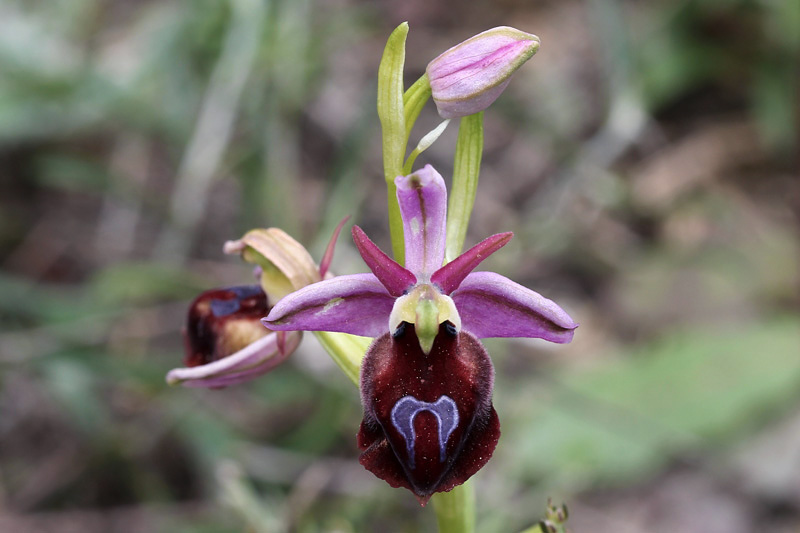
x: 467, y: 78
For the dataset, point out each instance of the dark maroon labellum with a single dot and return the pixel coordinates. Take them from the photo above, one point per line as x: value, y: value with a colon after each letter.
x: 429, y: 424
x: 223, y: 321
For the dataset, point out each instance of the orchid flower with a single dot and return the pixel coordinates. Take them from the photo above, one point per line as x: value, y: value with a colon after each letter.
x: 426, y: 380
x: 225, y: 341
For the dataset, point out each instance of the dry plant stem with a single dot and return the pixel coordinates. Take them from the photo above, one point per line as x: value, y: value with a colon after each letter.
x: 214, y: 128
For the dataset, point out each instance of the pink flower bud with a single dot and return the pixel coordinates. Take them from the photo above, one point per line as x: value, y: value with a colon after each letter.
x: 467, y: 78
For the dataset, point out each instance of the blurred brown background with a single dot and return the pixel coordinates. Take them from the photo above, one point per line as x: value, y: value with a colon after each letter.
x: 646, y: 159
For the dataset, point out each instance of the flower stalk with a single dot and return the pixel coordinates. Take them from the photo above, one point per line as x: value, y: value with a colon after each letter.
x: 455, y: 510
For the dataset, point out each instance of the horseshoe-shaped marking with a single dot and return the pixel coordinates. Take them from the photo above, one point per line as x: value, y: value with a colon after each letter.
x: 408, y: 407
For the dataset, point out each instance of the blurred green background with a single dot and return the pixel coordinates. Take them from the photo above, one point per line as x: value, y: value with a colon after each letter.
x: 646, y: 159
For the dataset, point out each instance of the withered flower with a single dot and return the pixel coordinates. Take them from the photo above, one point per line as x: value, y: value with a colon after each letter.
x: 225, y: 341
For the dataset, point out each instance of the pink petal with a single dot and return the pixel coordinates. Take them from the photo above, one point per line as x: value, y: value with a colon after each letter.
x: 450, y: 276
x: 327, y: 257
x: 394, y: 277
x: 357, y: 303
x: 491, y: 305
x: 423, y: 205
x: 248, y: 363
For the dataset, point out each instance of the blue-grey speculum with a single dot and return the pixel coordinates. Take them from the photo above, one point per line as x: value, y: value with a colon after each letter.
x: 408, y: 407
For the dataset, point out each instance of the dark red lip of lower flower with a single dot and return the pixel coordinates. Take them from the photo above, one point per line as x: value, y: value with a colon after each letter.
x: 429, y: 423
x: 222, y: 321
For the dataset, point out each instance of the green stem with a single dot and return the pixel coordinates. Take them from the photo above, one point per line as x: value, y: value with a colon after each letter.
x: 347, y: 351
x: 455, y: 510
x: 414, y: 100
x: 466, y: 169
